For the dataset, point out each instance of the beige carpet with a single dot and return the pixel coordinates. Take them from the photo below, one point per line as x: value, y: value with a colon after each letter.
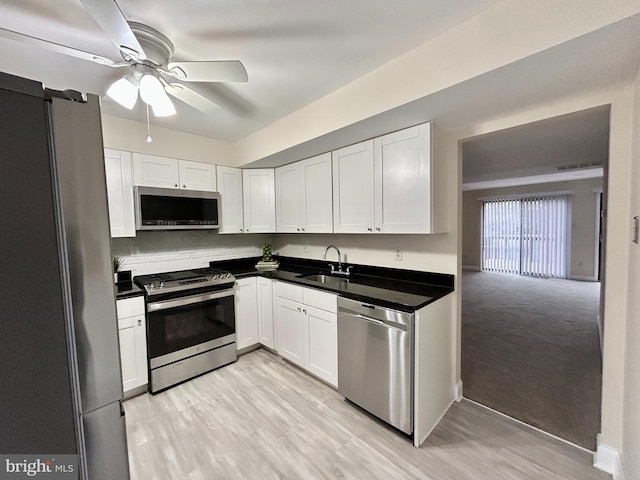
x: 530, y: 349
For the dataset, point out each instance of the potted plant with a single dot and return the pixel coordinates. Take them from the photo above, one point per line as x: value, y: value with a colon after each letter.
x: 267, y: 262
x: 117, y: 263
x: 267, y: 254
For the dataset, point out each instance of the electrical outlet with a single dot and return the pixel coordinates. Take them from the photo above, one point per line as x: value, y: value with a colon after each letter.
x: 305, y: 247
x: 398, y: 255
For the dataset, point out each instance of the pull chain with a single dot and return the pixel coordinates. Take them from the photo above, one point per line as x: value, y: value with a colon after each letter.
x: 149, y: 139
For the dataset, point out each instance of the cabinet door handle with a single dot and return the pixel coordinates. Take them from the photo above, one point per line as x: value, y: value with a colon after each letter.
x: 304, y: 310
x: 370, y: 229
x: 184, y: 186
x: 175, y: 185
x: 139, y: 322
x: 302, y: 229
x: 378, y: 229
x: 242, y: 229
x: 636, y: 229
x: 298, y: 229
x: 299, y: 309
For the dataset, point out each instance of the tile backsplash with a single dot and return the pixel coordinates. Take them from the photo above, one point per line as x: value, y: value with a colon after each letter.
x: 160, y: 251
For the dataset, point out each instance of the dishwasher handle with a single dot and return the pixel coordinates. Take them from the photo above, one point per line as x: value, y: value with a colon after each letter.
x: 376, y: 312
x: 387, y: 324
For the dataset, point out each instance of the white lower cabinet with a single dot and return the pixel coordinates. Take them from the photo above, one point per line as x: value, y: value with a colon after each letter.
x: 133, y: 342
x: 246, y: 313
x: 306, y: 329
x: 323, y: 344
x: 265, y: 312
x: 291, y: 330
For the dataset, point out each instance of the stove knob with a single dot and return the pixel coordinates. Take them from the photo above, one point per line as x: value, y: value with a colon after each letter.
x: 161, y: 284
x: 152, y: 286
x: 215, y: 277
x: 228, y: 275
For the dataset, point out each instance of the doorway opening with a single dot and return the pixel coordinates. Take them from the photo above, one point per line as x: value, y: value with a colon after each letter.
x: 532, y: 241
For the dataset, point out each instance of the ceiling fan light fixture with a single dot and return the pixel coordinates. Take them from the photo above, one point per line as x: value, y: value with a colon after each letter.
x: 163, y: 108
x: 124, y: 91
x: 152, y: 92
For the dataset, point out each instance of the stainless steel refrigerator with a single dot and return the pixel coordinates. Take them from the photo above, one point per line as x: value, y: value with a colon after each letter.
x: 61, y: 387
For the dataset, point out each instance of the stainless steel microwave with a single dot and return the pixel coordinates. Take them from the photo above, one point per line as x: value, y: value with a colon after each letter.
x: 176, y: 209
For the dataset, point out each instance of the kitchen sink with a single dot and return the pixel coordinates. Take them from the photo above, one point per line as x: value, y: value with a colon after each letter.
x: 321, y: 278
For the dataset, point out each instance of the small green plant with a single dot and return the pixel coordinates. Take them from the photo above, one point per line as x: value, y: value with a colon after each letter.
x: 117, y: 263
x: 267, y: 255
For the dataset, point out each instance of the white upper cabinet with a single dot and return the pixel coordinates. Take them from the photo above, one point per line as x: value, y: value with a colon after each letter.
x: 403, y: 181
x: 317, y: 197
x: 390, y: 184
x: 119, y: 176
x: 154, y: 171
x: 230, y: 187
x: 303, y: 196
x: 353, y: 189
x: 197, y: 176
x: 288, y: 195
x: 259, y: 204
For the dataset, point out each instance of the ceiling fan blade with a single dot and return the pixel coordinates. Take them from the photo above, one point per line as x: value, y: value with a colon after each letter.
x: 193, y: 98
x: 211, y: 71
x: 55, y: 47
x: 108, y: 15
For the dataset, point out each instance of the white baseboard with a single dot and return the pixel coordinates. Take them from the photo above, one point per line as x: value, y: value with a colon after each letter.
x: 608, y: 459
x: 583, y: 278
x: 458, y: 391
x: 471, y: 267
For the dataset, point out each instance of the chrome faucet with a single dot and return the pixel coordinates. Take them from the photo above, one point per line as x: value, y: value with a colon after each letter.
x: 339, y: 271
x: 339, y: 256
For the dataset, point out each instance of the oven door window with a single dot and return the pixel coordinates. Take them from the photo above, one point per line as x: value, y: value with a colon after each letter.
x: 177, y: 328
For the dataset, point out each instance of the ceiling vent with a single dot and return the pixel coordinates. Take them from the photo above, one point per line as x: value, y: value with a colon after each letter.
x: 579, y: 166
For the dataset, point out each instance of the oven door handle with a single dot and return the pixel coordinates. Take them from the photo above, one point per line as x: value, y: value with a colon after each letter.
x: 179, y: 302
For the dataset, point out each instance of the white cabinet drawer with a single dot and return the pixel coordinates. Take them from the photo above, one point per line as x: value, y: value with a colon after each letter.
x: 319, y: 299
x: 130, y: 307
x: 289, y: 291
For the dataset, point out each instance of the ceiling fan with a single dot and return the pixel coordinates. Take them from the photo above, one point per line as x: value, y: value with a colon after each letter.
x: 146, y: 53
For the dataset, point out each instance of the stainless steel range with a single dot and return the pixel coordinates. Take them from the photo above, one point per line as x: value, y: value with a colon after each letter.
x: 191, y: 326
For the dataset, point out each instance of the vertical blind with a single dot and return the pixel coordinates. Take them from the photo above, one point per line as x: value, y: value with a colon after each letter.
x: 526, y: 236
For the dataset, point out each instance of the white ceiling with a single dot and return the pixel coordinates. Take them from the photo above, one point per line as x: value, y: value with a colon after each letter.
x: 596, y: 61
x: 564, y: 146
x: 295, y: 51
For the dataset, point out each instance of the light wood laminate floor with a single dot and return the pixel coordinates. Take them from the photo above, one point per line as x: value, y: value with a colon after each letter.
x: 261, y: 418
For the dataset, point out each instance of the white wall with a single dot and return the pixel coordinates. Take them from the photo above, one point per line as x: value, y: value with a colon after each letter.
x: 631, y: 412
x: 128, y: 135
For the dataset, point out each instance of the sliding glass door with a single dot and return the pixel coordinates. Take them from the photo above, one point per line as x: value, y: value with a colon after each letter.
x: 526, y: 236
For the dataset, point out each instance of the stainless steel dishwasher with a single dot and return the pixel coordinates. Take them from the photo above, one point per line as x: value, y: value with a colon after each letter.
x: 375, y: 361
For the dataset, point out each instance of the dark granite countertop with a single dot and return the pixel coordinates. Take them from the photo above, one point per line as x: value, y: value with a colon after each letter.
x: 127, y: 290
x: 406, y: 290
